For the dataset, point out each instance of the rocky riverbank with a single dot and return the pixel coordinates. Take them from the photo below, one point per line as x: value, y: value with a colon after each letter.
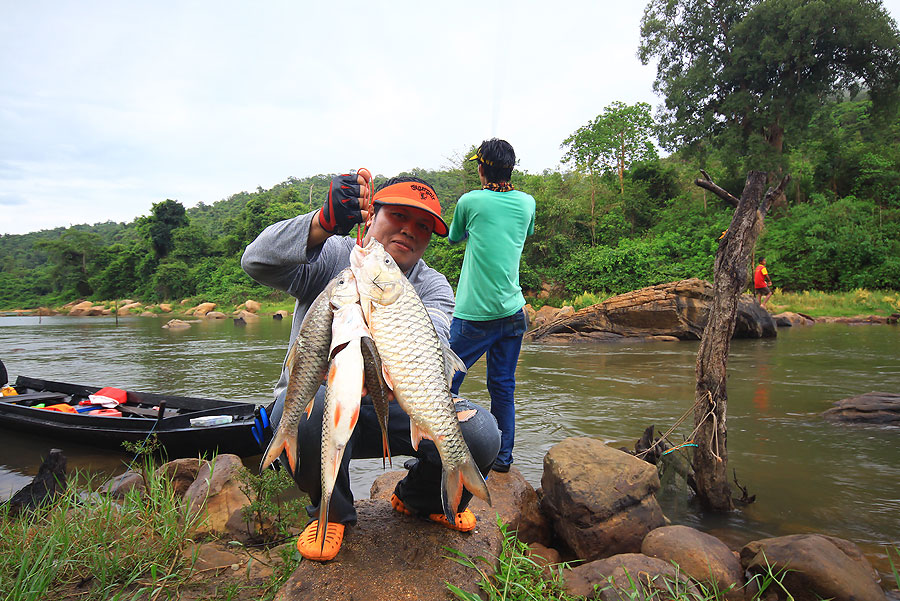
x: 596, y: 508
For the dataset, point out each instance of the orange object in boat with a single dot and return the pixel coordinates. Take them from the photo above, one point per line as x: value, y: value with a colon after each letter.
x: 61, y: 407
x: 106, y: 413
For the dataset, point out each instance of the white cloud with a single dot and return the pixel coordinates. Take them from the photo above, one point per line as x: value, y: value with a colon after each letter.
x: 107, y: 107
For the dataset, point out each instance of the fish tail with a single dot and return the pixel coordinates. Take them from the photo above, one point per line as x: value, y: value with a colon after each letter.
x: 386, y: 448
x: 283, y: 442
x: 452, y: 482
x: 474, y: 481
x: 322, y: 524
x: 451, y: 493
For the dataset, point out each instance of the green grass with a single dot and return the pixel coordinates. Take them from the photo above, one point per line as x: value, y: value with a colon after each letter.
x: 91, y: 545
x: 836, y: 304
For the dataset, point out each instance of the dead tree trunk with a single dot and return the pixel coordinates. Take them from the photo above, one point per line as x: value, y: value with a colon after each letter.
x: 729, y: 280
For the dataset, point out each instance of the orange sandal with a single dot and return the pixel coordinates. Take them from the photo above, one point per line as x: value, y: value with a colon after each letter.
x: 465, y: 520
x: 324, y: 547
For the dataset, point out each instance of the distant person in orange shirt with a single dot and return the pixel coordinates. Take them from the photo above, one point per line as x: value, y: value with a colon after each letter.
x: 761, y: 283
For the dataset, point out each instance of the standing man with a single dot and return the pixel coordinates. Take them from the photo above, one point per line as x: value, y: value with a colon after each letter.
x: 489, y: 317
x: 762, y: 283
x: 300, y: 256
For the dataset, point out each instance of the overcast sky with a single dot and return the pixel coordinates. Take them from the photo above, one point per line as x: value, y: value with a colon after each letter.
x: 109, y: 107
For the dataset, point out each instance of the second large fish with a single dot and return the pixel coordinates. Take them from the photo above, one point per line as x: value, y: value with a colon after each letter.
x: 416, y: 369
x: 306, y: 363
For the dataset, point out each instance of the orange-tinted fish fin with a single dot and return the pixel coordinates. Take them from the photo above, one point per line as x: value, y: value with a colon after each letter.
x: 416, y: 435
x: 386, y: 451
x: 309, y: 408
x: 281, y: 443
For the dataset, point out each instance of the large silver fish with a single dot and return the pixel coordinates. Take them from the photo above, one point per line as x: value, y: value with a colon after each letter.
x: 307, y: 362
x: 416, y: 368
x: 344, y: 386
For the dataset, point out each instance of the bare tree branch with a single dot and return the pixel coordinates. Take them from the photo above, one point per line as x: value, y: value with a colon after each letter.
x: 708, y: 184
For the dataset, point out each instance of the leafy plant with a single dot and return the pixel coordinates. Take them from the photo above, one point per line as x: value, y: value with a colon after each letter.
x: 269, y: 518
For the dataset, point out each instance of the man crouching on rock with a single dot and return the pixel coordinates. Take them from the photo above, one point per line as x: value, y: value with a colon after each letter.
x: 300, y: 256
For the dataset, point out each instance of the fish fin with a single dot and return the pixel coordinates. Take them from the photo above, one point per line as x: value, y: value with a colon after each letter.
x: 451, y: 493
x: 281, y: 443
x: 386, y: 451
x: 473, y: 480
x: 309, y: 408
x: 417, y: 435
x: 452, y: 362
x: 337, y: 348
x: 291, y: 358
x: 332, y: 372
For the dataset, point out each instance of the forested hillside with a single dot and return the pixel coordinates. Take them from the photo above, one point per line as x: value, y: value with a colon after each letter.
x: 783, y: 92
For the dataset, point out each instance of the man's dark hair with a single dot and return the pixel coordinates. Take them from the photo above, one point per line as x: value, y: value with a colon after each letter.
x: 400, y: 180
x: 498, y: 159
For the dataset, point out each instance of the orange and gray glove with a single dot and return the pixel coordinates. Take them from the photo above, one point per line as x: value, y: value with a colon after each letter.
x: 342, y: 211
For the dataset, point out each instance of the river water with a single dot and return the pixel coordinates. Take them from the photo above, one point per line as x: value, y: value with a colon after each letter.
x: 808, y: 475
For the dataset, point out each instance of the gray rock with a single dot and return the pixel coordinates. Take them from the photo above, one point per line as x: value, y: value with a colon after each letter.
x: 701, y: 556
x: 872, y: 407
x: 615, y: 577
x: 815, y: 567
x: 600, y: 501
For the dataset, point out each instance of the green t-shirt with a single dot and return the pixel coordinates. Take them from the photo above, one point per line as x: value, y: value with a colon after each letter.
x: 495, y: 225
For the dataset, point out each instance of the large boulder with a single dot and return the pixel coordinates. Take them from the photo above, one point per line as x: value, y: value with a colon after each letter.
x: 126, y: 308
x: 788, y: 319
x: 678, y: 309
x: 176, y: 324
x: 181, y: 472
x: 247, y: 316
x: 699, y: 555
x: 388, y: 556
x: 814, y: 567
x: 871, y: 407
x: 201, y: 309
x: 252, y: 306
x: 81, y: 308
x: 600, y: 500
x: 622, y: 576
x: 217, y: 496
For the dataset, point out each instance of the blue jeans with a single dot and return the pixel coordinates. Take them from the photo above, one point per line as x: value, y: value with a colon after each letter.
x: 501, y: 339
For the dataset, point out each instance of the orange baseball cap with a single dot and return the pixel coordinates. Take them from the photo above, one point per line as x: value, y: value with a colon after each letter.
x: 416, y: 195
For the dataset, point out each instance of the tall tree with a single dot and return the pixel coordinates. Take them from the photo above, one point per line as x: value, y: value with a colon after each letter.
x: 752, y: 71
x: 618, y: 137
x: 166, y: 216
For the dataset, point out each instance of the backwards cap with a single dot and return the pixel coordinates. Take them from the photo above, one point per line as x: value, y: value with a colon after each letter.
x: 417, y: 196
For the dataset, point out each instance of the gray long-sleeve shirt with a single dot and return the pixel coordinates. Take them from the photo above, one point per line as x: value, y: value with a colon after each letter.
x: 279, y: 258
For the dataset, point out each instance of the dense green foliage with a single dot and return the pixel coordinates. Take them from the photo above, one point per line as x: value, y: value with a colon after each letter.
x: 749, y: 74
x: 802, y: 86
x: 839, y: 229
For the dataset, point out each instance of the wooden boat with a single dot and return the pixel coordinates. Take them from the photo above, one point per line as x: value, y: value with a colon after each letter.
x: 179, y: 423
